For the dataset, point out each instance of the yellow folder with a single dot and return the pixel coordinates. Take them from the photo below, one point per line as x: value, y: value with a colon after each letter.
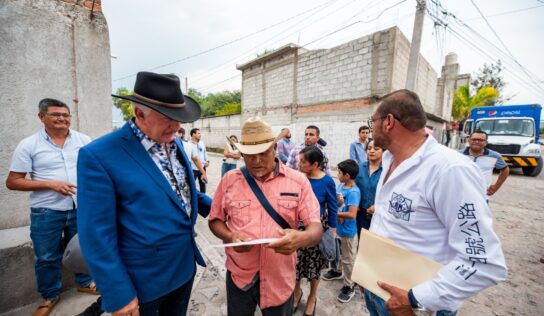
x: 379, y: 259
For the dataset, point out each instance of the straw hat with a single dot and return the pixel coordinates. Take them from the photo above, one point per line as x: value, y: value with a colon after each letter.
x: 257, y: 137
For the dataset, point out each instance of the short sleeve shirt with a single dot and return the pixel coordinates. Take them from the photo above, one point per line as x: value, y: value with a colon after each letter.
x: 352, y: 197
x: 44, y: 160
x: 290, y: 193
x: 487, y: 162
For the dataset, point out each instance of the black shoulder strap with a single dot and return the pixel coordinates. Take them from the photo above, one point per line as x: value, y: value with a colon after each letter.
x: 264, y: 202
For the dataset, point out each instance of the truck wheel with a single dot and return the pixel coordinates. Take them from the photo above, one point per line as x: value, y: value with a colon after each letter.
x: 533, y: 171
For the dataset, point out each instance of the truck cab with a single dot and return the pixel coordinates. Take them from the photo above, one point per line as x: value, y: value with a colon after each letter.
x: 513, y: 131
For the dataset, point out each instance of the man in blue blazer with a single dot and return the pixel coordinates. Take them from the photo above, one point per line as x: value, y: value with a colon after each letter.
x: 138, y: 205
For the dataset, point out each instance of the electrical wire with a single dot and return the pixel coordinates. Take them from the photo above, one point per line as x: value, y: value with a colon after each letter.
x: 230, y: 42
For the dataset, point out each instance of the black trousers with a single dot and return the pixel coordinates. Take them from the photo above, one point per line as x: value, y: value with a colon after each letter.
x: 174, y: 303
x: 244, y: 303
x: 201, y: 183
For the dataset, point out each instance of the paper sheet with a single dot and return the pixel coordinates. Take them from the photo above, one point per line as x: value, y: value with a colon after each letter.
x: 247, y: 243
x: 380, y: 259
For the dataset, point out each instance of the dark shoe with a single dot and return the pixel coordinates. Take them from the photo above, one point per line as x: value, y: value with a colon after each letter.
x: 95, y: 309
x: 315, y: 307
x: 298, y: 302
x: 346, y: 294
x: 331, y: 275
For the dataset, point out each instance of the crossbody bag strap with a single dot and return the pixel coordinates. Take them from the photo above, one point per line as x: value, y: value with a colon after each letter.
x: 264, y: 202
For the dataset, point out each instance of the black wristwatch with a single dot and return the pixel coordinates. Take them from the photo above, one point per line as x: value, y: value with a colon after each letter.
x: 413, y: 301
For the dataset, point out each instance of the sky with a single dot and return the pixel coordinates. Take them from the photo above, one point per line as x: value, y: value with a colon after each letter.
x: 204, y: 40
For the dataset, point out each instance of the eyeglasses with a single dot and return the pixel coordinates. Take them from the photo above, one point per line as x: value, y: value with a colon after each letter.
x: 371, y: 120
x: 57, y: 115
x: 480, y: 140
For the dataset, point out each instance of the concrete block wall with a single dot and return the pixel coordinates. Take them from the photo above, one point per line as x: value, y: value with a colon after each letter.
x: 426, y: 79
x: 52, y: 49
x: 339, y: 73
x: 278, y: 89
x: 252, y: 95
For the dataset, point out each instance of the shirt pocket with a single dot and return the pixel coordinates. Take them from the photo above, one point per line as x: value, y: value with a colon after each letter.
x: 288, y: 210
x: 238, y: 213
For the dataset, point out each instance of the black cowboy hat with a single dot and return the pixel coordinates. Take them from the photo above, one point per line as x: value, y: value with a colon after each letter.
x: 162, y: 93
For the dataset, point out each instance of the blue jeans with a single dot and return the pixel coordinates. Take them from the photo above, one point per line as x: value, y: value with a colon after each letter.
x: 376, y: 306
x: 46, y: 229
x: 226, y: 167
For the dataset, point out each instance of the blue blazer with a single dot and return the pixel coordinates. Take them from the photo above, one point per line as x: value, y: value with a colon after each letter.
x: 135, y: 235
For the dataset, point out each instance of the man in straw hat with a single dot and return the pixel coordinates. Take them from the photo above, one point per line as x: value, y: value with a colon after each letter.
x: 263, y: 274
x: 138, y: 205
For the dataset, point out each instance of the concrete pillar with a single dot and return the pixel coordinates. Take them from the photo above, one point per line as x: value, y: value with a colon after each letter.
x: 411, y: 77
x: 49, y: 48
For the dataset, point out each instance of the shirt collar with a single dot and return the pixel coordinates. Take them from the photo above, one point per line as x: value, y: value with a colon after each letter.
x: 45, y: 136
x: 143, y: 138
x: 467, y: 151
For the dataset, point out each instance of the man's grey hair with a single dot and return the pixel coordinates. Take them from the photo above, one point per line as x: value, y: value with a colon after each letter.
x: 142, y: 108
x: 46, y: 103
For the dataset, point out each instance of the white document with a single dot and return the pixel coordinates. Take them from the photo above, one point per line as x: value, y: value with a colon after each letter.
x: 379, y: 259
x: 247, y: 243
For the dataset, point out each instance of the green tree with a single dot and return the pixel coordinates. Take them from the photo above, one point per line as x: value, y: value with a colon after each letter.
x: 195, y: 94
x: 230, y: 108
x: 124, y: 105
x: 464, y: 101
x: 220, y: 103
x: 490, y: 76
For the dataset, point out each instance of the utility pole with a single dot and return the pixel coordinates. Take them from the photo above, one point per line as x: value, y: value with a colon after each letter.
x: 186, y: 85
x: 416, y: 43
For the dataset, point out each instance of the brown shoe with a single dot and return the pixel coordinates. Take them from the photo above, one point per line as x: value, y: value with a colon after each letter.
x: 91, y: 289
x: 45, y: 308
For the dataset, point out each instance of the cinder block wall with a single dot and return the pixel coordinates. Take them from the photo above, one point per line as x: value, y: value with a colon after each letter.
x: 331, y: 88
x: 50, y: 48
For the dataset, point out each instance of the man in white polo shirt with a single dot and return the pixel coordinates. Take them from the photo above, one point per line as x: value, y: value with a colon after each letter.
x: 431, y: 201
x: 50, y: 157
x: 487, y: 160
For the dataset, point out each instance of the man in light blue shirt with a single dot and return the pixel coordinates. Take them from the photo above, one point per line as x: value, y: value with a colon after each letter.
x: 50, y: 157
x: 487, y: 160
x: 357, y: 149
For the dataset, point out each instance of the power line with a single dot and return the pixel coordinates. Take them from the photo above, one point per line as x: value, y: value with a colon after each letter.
x: 484, y: 52
x: 507, y: 12
x: 501, y: 41
x: 356, y: 22
x: 232, y: 41
x: 484, y: 40
x: 337, y: 30
x: 268, y: 42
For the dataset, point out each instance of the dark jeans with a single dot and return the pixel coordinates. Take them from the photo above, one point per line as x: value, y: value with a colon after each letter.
x: 201, y: 183
x: 174, y: 303
x: 363, y: 221
x: 376, y: 306
x: 46, y: 230
x: 226, y: 167
x: 244, y: 303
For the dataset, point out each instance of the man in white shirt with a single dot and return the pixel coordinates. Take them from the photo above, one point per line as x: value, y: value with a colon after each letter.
x: 191, y: 153
x: 49, y: 158
x: 431, y: 201
x: 200, y: 148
